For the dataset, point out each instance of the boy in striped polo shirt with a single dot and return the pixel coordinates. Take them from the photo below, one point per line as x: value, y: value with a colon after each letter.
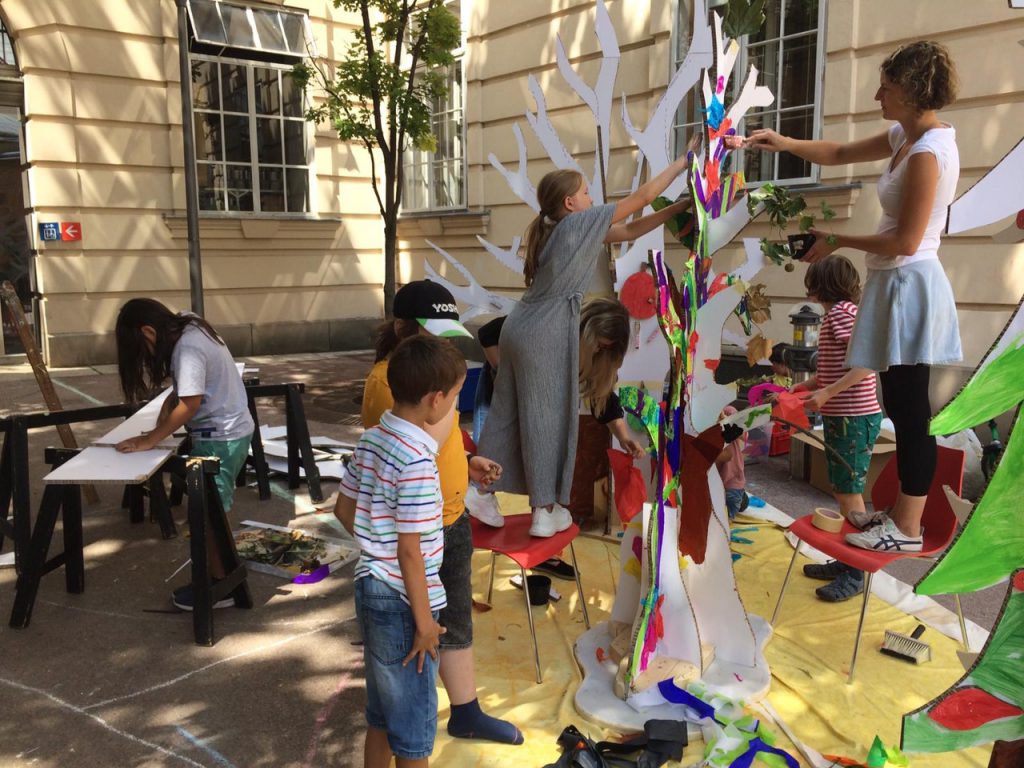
x: 849, y: 408
x: 390, y: 501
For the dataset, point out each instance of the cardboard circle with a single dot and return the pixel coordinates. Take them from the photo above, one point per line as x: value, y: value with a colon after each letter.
x: 638, y: 295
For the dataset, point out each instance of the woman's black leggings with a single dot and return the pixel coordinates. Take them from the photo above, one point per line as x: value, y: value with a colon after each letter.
x: 905, y: 396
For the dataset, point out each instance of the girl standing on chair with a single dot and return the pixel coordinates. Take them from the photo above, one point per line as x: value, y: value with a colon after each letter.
x: 532, y: 426
x: 209, y: 400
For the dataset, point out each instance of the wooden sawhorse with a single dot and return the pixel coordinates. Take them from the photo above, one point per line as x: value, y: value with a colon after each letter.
x: 62, y: 497
x: 15, y: 506
x: 300, y: 450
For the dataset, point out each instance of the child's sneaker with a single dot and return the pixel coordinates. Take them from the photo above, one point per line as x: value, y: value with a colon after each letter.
x: 865, y: 520
x: 825, y: 571
x: 547, y: 523
x: 886, y: 537
x: 484, y: 507
x: 184, y: 600
x: 844, y: 586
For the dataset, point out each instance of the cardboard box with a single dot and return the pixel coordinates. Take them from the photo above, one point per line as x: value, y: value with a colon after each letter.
x: 807, y: 460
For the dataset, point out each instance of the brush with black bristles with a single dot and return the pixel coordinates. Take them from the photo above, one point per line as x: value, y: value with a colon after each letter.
x: 907, y: 647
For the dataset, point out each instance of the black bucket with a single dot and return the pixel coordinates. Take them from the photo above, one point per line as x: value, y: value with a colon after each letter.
x: 538, y: 587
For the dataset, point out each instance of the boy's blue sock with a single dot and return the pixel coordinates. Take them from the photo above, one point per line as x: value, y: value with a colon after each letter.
x: 468, y: 721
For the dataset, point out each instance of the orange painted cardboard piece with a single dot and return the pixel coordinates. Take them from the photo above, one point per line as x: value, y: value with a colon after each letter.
x: 630, y: 489
x: 790, y: 407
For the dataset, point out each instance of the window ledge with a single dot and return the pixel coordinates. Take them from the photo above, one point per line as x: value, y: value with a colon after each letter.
x: 444, y: 222
x: 227, y: 226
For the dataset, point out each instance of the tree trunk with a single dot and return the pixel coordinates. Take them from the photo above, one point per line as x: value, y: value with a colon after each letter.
x: 390, y: 260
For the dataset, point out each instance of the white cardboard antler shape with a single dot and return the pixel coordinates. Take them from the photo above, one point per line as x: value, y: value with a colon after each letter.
x: 599, y: 98
x: 653, y: 141
x: 480, y: 300
x: 508, y: 258
x: 518, y: 182
x: 545, y: 130
x: 996, y: 196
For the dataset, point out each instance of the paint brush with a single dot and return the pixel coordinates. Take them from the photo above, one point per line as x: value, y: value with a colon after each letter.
x: 905, y: 647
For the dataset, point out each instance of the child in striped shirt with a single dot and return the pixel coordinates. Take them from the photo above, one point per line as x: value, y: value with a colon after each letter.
x: 390, y: 501
x: 849, y: 409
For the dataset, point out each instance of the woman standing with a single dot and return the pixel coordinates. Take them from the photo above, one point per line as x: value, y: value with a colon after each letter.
x: 907, y: 319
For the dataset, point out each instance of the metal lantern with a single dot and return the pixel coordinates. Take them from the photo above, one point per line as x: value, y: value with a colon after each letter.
x: 801, y: 356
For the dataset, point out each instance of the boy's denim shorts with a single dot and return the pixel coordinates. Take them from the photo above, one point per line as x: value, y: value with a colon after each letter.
x: 457, y: 577
x: 399, y: 700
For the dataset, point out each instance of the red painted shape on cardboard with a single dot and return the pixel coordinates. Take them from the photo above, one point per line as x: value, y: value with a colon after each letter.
x: 970, y: 708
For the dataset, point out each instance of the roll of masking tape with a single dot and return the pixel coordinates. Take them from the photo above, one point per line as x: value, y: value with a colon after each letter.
x: 827, y: 520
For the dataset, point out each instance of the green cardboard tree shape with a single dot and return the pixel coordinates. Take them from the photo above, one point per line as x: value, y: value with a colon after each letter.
x: 987, y: 703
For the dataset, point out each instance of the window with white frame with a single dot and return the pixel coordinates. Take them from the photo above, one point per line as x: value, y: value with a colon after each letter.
x: 788, y: 53
x: 437, y: 180
x: 251, y: 134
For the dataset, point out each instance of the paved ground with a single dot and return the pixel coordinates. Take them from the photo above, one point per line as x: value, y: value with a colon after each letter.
x: 111, y: 677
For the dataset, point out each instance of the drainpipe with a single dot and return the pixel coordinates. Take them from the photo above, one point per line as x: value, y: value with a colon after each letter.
x: 195, y: 264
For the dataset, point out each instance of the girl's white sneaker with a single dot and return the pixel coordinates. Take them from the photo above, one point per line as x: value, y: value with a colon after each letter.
x: 547, y: 523
x: 484, y: 507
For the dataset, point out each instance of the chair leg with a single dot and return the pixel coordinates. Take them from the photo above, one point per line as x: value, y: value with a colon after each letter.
x: 785, y: 582
x: 579, y: 587
x: 533, y: 631
x: 490, y: 585
x: 963, y: 624
x: 860, y: 624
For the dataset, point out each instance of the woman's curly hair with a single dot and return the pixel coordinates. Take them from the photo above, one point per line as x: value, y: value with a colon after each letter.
x: 924, y: 72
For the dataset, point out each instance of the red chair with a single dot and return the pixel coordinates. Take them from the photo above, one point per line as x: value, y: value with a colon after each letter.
x: 514, y: 541
x: 939, y: 523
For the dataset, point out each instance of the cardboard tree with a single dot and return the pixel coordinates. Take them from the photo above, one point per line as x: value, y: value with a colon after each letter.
x: 670, y: 610
x: 987, y: 704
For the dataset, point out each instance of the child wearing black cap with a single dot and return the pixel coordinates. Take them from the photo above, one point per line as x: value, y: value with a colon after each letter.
x: 424, y: 306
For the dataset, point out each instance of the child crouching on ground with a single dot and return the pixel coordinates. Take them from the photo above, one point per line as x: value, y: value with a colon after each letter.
x: 390, y: 501
x: 850, y: 412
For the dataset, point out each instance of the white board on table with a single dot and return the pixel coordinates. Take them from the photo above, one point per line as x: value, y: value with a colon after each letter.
x: 105, y: 465
x: 140, y: 422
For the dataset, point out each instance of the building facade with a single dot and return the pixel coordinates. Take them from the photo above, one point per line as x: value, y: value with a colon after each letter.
x: 291, y: 238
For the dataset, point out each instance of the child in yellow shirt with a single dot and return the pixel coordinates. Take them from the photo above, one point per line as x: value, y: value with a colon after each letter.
x: 427, y: 307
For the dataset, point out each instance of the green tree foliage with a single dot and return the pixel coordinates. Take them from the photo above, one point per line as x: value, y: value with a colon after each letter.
x: 381, y: 94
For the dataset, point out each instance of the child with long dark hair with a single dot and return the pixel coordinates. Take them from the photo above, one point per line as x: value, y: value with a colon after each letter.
x: 153, y: 345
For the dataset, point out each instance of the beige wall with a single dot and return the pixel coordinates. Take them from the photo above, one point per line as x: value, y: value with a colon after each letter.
x: 104, y: 145
x: 103, y: 139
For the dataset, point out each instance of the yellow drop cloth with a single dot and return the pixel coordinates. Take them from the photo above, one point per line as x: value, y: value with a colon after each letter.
x: 809, y: 657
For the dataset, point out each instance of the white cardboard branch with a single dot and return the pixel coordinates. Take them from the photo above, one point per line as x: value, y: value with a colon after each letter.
x: 654, y: 140
x: 480, y: 300
x: 545, y: 130
x: 600, y: 98
x: 510, y: 258
x: 518, y: 182
x: 996, y: 195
